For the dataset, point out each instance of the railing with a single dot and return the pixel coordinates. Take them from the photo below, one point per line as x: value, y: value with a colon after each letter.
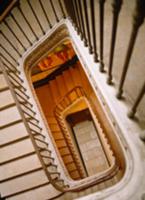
x: 70, y: 98
x: 87, y: 32
x: 28, y: 40
x: 32, y: 126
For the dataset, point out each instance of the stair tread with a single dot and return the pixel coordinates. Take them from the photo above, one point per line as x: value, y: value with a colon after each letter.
x: 19, y: 167
x: 23, y: 183
x: 9, y: 115
x: 6, y: 98
x: 3, y: 83
x: 11, y: 151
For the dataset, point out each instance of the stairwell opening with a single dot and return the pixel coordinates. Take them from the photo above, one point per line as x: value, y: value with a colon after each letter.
x: 88, y: 143
x: 62, y: 87
x: 58, y: 82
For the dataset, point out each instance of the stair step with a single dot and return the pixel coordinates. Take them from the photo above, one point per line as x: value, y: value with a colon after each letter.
x: 14, y: 141
x: 58, y: 135
x: 3, y: 83
x: 10, y: 152
x: 13, y: 133
x: 61, y: 143
x: 19, y: 167
x: 71, y: 167
x: 54, y: 127
x: 75, y: 174
x: 51, y: 120
x: 64, y: 151
x: 67, y: 159
x: 40, y: 192
x: 7, y: 106
x: 6, y: 99
x: 11, y: 124
x: 9, y: 115
x: 23, y: 183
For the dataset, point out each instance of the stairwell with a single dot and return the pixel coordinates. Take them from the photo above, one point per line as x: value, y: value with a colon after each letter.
x: 29, y: 164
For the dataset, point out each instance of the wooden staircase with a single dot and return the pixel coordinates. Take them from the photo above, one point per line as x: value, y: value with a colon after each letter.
x: 67, y: 83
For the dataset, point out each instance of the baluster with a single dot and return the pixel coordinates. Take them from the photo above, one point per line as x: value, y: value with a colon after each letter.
x: 15, y: 20
x: 35, y: 15
x: 14, y: 59
x: 22, y: 13
x: 101, y: 19
x: 56, y: 17
x: 137, y: 101
x: 74, y: 17
x: 5, y: 59
x: 138, y: 19
x: 87, y: 27
x: 7, y: 39
x: 50, y: 25
x: 11, y: 30
x: 82, y: 22
x: 116, y: 7
x: 62, y: 10
x: 94, y: 31
x: 78, y: 18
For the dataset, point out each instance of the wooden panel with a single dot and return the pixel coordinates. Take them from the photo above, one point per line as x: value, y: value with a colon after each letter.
x: 61, y: 85
x: 68, y: 80
x: 54, y: 91
x: 45, y: 99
